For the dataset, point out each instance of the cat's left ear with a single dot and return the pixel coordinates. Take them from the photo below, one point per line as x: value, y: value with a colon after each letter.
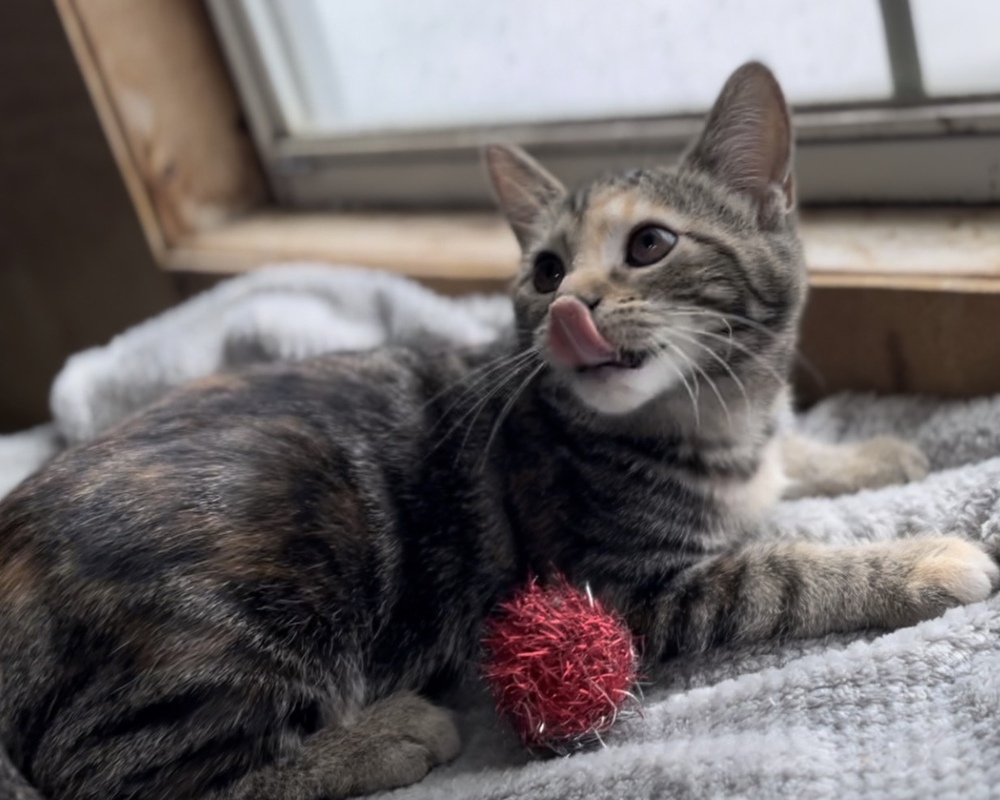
x: 747, y: 141
x: 523, y: 187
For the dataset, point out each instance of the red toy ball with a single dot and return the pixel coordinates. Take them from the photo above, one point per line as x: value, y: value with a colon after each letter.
x: 561, y: 667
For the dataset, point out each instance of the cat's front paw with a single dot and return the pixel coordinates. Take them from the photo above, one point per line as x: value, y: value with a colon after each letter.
x: 402, y: 738
x: 946, y: 571
x: 887, y: 460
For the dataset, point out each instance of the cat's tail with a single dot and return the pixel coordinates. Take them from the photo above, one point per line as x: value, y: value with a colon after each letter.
x: 13, y: 786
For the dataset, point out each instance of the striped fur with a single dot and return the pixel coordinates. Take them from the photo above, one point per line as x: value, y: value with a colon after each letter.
x: 253, y: 588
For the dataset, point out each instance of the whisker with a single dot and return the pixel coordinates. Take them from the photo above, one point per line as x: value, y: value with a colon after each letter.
x: 708, y: 379
x: 491, y: 368
x: 479, y: 396
x: 755, y: 356
x: 481, y: 372
x: 506, y: 410
x: 680, y: 374
x: 479, y: 406
x: 720, y: 360
x: 733, y: 343
x: 727, y: 317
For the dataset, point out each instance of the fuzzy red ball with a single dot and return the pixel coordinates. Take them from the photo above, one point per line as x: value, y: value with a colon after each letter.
x: 560, y: 666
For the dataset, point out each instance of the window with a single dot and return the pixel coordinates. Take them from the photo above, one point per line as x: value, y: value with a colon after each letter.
x: 224, y: 182
x: 386, y: 102
x: 333, y: 151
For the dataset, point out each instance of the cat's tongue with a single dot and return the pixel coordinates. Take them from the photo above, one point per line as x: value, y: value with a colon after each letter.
x: 573, y: 338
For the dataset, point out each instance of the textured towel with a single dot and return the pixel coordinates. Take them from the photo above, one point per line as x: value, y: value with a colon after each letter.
x: 913, y: 713
x: 292, y: 311
x: 22, y: 453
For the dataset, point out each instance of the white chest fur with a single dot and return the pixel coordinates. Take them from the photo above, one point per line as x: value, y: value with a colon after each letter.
x: 751, y: 499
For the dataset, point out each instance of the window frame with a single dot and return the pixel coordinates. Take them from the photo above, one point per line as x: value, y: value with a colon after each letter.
x: 178, y: 130
x: 895, y: 148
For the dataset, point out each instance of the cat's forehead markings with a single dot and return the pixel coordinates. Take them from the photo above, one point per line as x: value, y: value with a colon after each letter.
x: 611, y: 205
x: 608, y: 218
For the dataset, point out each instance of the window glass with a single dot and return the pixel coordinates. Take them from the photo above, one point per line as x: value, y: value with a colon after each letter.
x: 959, y: 45
x: 397, y: 64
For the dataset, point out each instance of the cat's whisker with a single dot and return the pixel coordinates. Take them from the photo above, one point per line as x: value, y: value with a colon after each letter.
x: 708, y: 378
x: 742, y: 347
x: 727, y: 318
x: 482, y: 395
x: 750, y: 353
x: 481, y: 383
x: 722, y: 362
x: 506, y: 410
x: 478, y: 396
x: 478, y: 374
x: 695, y: 405
x: 481, y: 404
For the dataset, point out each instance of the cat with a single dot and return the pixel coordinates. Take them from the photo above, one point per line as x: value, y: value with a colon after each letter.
x: 254, y: 587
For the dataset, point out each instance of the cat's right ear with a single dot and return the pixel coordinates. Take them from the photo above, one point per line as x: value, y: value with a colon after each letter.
x: 523, y: 187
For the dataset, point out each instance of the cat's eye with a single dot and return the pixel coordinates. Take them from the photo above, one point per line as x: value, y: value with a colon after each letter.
x: 548, y: 273
x: 648, y: 245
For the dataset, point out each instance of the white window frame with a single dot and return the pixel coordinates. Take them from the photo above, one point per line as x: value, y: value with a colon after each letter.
x: 906, y: 150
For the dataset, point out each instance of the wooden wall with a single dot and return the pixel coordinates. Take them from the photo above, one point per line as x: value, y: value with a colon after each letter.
x: 74, y: 267
x: 891, y: 341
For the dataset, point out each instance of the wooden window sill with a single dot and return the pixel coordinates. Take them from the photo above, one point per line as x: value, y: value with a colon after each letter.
x: 922, y: 249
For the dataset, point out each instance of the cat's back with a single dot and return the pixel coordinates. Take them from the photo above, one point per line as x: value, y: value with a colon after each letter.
x: 248, y: 522
x: 238, y: 432
x: 216, y: 486
x: 224, y: 445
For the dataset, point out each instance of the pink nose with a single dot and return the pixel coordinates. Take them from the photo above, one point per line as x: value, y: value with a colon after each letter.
x: 573, y: 337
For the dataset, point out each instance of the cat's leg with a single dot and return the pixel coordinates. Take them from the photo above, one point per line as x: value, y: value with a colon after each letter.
x: 395, y: 742
x: 799, y: 589
x: 816, y: 468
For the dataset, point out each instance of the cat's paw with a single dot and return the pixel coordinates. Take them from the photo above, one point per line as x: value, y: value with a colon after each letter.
x: 947, y: 571
x: 409, y: 718
x: 399, y: 741
x: 887, y: 460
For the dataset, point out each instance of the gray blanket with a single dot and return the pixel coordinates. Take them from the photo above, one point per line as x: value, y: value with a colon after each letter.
x: 911, y: 713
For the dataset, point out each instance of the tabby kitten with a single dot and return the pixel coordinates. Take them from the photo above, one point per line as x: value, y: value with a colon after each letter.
x: 249, y: 589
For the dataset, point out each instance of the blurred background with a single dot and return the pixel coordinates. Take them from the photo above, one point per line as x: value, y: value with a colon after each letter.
x: 74, y: 266
x: 383, y: 105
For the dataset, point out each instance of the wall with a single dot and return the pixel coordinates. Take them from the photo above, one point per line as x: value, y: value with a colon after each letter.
x: 937, y: 343
x: 74, y: 268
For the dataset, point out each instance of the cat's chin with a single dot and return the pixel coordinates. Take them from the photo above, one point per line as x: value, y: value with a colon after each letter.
x: 616, y: 390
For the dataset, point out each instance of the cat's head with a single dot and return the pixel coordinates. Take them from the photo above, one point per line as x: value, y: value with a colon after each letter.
x: 659, y: 281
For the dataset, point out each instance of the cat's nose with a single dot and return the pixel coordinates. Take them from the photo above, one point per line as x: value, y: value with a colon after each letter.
x: 586, y: 284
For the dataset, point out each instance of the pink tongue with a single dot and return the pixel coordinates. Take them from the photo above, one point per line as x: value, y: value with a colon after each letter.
x: 573, y: 338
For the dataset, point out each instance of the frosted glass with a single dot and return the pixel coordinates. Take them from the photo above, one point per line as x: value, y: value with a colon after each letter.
x: 959, y: 45
x: 409, y: 64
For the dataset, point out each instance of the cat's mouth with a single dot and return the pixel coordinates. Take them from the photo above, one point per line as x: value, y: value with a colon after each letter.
x: 575, y: 342
x: 625, y: 359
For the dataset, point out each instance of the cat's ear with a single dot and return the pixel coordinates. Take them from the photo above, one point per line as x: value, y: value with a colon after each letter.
x: 747, y: 141
x: 523, y: 187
